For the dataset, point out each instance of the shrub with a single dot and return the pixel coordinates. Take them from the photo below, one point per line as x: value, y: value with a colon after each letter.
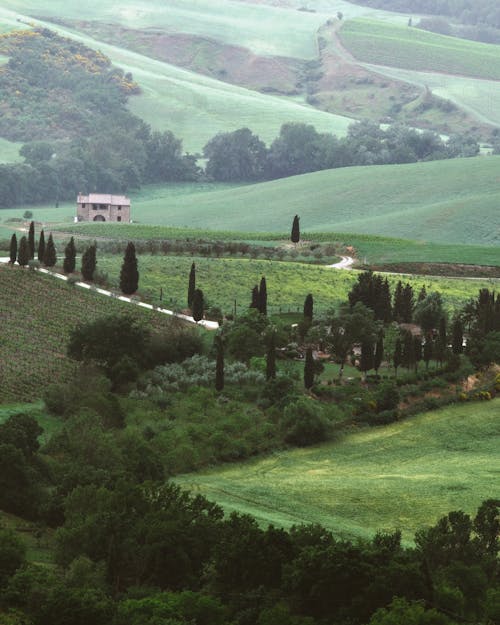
x: 304, y: 423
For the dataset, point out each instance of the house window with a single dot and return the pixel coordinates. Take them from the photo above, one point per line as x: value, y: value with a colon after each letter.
x: 95, y: 207
x: 119, y: 208
x: 119, y: 218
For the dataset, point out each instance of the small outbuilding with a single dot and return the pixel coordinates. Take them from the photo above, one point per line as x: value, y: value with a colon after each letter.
x: 102, y: 207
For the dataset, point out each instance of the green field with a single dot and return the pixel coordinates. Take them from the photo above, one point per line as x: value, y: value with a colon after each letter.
x: 224, y: 280
x: 451, y: 201
x: 413, y: 48
x: 405, y: 475
x: 9, y: 151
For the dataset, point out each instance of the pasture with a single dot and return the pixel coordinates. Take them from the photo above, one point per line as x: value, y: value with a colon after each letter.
x: 9, y: 151
x: 404, y: 475
x: 382, y: 43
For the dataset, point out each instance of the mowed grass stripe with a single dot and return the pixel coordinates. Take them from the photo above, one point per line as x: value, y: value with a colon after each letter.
x: 412, y: 48
x: 405, y: 475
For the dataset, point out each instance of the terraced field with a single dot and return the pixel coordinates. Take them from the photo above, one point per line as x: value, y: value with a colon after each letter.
x: 405, y: 475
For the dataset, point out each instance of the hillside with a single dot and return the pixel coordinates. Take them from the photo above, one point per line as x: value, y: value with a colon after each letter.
x: 405, y: 475
x: 453, y: 201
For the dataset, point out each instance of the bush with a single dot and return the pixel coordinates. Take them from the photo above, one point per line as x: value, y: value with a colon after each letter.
x: 387, y: 396
x: 304, y: 424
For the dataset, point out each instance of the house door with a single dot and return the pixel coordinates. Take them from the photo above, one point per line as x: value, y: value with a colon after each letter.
x: 99, y: 218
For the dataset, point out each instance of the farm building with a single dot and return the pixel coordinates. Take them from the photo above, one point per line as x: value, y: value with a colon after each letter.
x: 102, y: 207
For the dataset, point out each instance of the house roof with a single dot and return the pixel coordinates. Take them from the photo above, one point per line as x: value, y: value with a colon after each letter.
x: 104, y: 198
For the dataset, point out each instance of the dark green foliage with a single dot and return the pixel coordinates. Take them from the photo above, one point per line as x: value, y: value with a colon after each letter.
x: 304, y: 423
x: 69, y: 256
x: 387, y: 396
x: 366, y: 357
x: 129, y: 274
x: 31, y: 239
x: 19, y: 491
x: 429, y: 311
x: 403, y: 303
x: 255, y: 297
x: 22, y: 431
x: 295, y: 235
x: 198, y: 307
x: 271, y: 358
x: 236, y: 156
x: 23, y: 253
x: 397, y: 358
x: 379, y: 352
x: 263, y: 296
x: 417, y: 349
x: 408, y: 354
x: 308, y: 369
x: 191, y: 285
x: 219, y: 364
x: 457, y: 340
x: 308, y: 307
x: 428, y: 351
x: 13, y: 249
x: 50, y: 257
x: 374, y: 292
x: 12, y: 555
x: 89, y: 262
x: 41, y: 247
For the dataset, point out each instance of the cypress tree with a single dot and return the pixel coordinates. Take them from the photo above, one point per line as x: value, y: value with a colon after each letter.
x: 41, y: 247
x: 31, y: 240
x: 198, y: 305
x: 263, y: 296
x: 89, y: 262
x: 295, y: 236
x: 129, y: 275
x: 255, y: 298
x: 308, y: 307
x: 13, y: 249
x: 417, y: 349
x: 50, y: 256
x: 457, y: 340
x: 366, y: 358
x: 23, y: 254
x: 408, y: 355
x: 408, y: 303
x: 398, y: 306
x: 191, y: 286
x: 271, y: 359
x: 398, y: 355
x: 309, y: 369
x: 423, y: 294
x: 428, y: 351
x: 379, y: 352
x: 219, y: 364
x: 69, y: 257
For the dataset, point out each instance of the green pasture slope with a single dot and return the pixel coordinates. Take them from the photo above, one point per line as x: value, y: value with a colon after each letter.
x: 224, y: 280
x: 405, y: 475
x: 411, y: 48
x: 451, y: 201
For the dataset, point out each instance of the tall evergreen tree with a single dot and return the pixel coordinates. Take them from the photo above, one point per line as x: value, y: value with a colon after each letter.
x: 397, y: 358
x: 295, y: 236
x: 428, y: 351
x: 398, y: 304
x: 198, y: 307
x: 191, y: 285
x: 41, y: 247
x: 263, y: 296
x: 271, y: 358
x: 23, y: 253
x: 379, y: 352
x: 31, y: 240
x: 408, y: 354
x: 457, y: 339
x: 219, y: 364
x: 129, y: 274
x: 255, y: 298
x: 89, y: 262
x: 13, y: 249
x: 308, y: 307
x: 69, y: 256
x: 309, y: 369
x: 408, y: 303
x: 366, y: 357
x: 50, y: 256
x: 417, y: 349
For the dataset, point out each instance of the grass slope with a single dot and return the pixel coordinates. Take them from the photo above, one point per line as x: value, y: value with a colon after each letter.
x: 454, y: 201
x: 9, y: 151
x: 37, y: 313
x: 405, y: 475
x: 412, y: 48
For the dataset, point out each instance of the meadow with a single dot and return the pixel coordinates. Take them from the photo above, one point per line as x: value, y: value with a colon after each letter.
x: 9, y: 151
x: 405, y: 475
x: 412, y: 48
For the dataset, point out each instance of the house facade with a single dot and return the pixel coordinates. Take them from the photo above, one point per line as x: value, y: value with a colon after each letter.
x: 102, y: 207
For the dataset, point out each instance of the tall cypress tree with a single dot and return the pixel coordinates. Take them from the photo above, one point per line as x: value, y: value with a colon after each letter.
x: 309, y: 369
x: 192, y: 285
x: 408, y: 354
x: 198, y: 305
x: 308, y: 307
x: 457, y: 336
x: 129, y: 274
x: 219, y: 364
x: 271, y: 358
x: 295, y: 236
x: 398, y: 306
x: 428, y: 351
x: 50, y: 256
x: 255, y: 298
x: 89, y: 262
x: 366, y: 358
x: 69, y: 257
x: 408, y: 303
x: 13, y: 249
x: 31, y: 240
x: 397, y: 358
x: 263, y: 296
x: 41, y: 247
x: 417, y: 349
x: 379, y: 352
x: 23, y: 253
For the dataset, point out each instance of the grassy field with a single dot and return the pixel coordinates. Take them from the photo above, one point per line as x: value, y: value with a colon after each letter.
x: 452, y: 201
x: 412, y: 48
x: 224, y: 280
x: 9, y: 151
x: 405, y: 475
x: 37, y: 313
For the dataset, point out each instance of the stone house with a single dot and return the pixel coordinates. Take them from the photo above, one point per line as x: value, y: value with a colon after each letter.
x: 102, y: 207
